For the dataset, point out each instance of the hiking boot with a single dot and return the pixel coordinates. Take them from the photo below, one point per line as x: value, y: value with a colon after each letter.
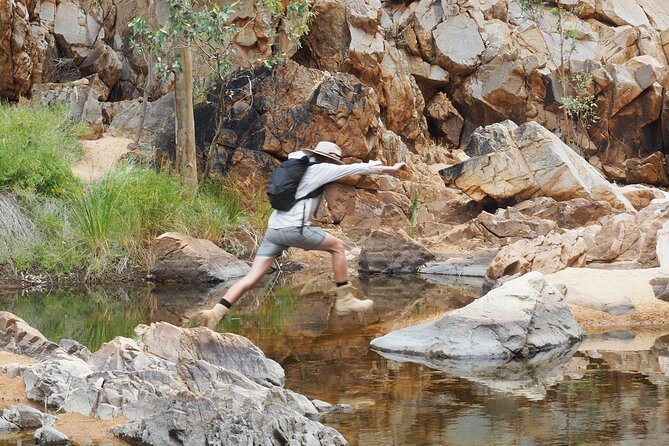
x: 210, y: 318
x: 346, y: 302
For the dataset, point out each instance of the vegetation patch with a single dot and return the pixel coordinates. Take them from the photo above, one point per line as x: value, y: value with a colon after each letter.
x: 38, y: 147
x: 103, y: 229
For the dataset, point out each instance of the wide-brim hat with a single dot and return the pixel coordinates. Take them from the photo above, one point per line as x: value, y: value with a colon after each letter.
x: 327, y: 149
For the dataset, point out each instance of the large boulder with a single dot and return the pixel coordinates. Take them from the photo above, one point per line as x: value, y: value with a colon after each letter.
x: 386, y: 252
x: 445, y: 119
x: 531, y: 162
x: 630, y: 239
x: 17, y: 336
x: 179, y: 385
x: 347, y: 36
x: 159, y: 117
x: 570, y: 214
x: 519, y: 319
x: 547, y: 254
x: 509, y: 225
x: 26, y: 417
x: 458, y: 44
x: 76, y: 29
x: 314, y: 106
x: 180, y: 258
x: 641, y: 195
x: 622, y: 12
x: 363, y: 209
x: 657, y: 13
x: 105, y: 62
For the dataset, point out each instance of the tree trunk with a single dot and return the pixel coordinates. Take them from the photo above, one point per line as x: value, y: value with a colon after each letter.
x: 145, y: 103
x: 186, y: 161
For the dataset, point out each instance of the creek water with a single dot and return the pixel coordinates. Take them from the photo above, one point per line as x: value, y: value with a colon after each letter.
x: 611, y: 389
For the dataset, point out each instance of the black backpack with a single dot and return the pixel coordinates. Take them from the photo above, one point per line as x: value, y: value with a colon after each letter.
x: 284, y: 181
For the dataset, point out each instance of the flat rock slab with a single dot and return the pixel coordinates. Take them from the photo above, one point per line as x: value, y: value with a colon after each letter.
x: 460, y: 265
x: 522, y: 317
x: 599, y: 297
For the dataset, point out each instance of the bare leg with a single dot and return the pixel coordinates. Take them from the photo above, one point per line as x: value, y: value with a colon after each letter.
x: 259, y: 268
x: 211, y: 318
x: 335, y: 247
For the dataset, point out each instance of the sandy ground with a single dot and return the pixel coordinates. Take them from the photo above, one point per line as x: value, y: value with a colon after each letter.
x: 100, y: 156
x: 613, y: 285
x: 80, y: 429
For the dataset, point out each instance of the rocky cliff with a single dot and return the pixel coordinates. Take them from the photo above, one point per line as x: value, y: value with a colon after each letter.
x: 387, y: 77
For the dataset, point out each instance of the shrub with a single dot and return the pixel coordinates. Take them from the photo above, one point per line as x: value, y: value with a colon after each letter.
x: 38, y: 147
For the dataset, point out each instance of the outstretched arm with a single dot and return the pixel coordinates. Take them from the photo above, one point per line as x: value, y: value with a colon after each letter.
x: 391, y: 169
x: 327, y: 173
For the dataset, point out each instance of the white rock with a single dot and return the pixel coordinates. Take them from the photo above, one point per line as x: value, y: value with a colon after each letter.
x: 49, y: 435
x: 622, y: 12
x: 658, y: 13
x: 522, y: 317
x: 458, y: 44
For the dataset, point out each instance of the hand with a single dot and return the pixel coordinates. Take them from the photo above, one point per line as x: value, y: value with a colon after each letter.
x: 399, y: 166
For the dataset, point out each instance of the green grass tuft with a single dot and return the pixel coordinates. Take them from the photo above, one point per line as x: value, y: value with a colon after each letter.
x: 38, y: 147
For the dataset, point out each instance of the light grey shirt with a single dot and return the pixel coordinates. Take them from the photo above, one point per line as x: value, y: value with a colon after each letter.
x: 315, y: 177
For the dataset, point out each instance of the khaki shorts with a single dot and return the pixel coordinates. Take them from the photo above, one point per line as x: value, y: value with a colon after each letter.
x: 278, y: 240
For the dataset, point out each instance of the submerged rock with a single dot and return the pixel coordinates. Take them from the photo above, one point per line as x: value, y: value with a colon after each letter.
x: 522, y: 317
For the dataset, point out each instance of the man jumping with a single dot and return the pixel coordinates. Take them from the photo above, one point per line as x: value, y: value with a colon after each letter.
x: 290, y: 228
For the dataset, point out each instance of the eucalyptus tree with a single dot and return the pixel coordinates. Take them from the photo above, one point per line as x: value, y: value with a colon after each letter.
x: 208, y: 28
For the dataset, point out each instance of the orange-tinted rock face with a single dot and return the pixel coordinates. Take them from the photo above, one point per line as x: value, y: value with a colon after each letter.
x: 17, y: 50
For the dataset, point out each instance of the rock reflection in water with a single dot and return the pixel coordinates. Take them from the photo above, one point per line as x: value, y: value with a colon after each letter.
x: 91, y: 316
x: 529, y: 378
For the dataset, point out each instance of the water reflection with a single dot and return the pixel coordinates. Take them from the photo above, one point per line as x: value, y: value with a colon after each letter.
x: 612, y: 390
x: 529, y: 377
x: 90, y: 316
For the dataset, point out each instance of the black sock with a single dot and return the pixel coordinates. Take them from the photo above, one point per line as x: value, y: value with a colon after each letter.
x: 225, y: 303
x: 342, y: 283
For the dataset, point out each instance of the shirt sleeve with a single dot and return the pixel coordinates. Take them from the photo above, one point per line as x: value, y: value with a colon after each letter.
x: 327, y: 173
